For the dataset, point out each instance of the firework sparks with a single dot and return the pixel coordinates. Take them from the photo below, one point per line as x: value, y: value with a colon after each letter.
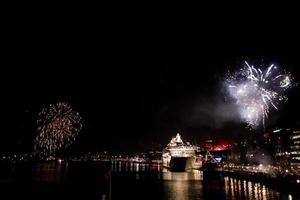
x: 256, y: 91
x: 58, y: 125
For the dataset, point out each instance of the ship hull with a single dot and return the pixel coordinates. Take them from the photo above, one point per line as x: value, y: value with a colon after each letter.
x: 178, y: 164
x: 182, y: 163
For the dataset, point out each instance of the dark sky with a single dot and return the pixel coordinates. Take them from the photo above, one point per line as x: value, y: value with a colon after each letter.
x: 135, y: 81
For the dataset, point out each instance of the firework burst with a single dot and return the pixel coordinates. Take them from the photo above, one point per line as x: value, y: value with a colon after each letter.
x: 257, y: 90
x: 58, y: 125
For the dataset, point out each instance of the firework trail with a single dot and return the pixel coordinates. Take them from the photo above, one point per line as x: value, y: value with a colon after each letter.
x: 256, y: 91
x: 58, y: 125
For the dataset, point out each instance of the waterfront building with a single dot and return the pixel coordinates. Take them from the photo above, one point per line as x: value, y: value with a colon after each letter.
x: 295, y: 148
x: 282, y: 145
x: 287, y: 146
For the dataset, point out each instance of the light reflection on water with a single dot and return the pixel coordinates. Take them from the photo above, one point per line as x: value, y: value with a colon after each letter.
x: 182, y: 185
x: 119, y: 166
x: 241, y: 189
x: 182, y: 176
x: 156, y: 181
x: 190, y: 185
x: 48, y: 172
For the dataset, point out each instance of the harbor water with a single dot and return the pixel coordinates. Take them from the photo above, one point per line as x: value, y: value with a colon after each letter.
x: 124, y: 180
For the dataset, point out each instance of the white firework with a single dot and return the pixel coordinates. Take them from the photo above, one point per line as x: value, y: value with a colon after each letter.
x: 256, y: 91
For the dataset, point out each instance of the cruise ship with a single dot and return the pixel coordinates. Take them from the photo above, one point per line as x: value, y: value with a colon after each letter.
x: 181, y: 156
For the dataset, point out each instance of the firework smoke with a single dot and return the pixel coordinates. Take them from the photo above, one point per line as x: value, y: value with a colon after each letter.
x: 58, y: 125
x: 256, y: 91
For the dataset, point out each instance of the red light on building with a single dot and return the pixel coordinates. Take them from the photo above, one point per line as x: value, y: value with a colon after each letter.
x: 210, y: 145
x: 221, y: 147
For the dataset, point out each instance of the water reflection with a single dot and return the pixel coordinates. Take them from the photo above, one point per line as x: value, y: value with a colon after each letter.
x: 134, y: 180
x: 182, y: 176
x: 119, y: 166
x: 241, y: 189
x: 190, y: 185
x: 182, y: 185
x: 48, y: 172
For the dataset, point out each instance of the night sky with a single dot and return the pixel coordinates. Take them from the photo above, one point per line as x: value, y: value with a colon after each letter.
x: 136, y: 82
